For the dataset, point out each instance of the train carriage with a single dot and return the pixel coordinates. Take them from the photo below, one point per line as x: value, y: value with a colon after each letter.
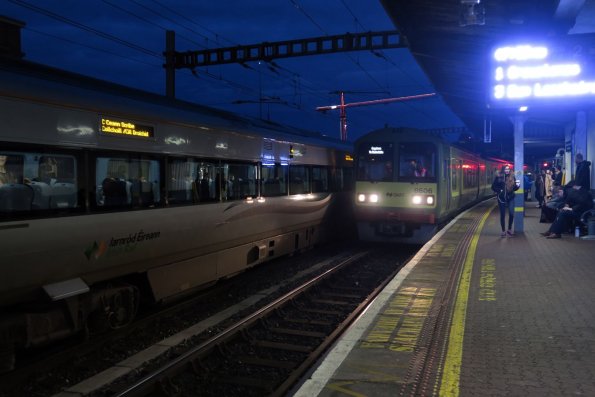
x: 409, y: 182
x: 110, y: 196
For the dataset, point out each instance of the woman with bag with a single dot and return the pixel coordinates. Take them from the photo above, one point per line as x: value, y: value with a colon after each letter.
x: 504, y: 186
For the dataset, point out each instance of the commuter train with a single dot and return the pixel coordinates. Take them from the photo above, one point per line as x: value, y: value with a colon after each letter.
x: 112, y: 196
x: 409, y: 182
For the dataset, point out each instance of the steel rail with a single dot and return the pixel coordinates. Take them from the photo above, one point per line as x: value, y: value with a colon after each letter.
x: 150, y: 382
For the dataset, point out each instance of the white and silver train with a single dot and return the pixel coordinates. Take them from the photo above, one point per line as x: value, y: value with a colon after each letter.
x: 110, y: 196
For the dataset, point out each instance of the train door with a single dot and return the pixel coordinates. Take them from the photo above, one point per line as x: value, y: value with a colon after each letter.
x: 456, y: 167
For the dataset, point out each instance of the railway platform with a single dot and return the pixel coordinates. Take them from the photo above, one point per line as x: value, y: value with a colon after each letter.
x: 474, y: 314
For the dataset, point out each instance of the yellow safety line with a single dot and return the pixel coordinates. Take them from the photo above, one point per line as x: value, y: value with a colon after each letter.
x: 451, y: 372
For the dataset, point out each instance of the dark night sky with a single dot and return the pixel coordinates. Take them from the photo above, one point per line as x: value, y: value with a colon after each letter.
x: 122, y: 41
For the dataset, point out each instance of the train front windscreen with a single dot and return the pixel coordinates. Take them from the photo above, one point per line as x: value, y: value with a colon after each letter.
x: 417, y: 162
x: 375, y: 162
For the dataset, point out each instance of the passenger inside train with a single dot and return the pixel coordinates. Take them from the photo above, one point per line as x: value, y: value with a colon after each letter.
x: 48, y: 169
x: 6, y: 176
x: 32, y: 181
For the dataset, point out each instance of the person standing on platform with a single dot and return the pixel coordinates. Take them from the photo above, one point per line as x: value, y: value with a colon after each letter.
x: 527, y: 187
x: 540, y: 188
x: 583, y: 173
x: 558, y: 176
x: 504, y: 186
x: 549, y: 184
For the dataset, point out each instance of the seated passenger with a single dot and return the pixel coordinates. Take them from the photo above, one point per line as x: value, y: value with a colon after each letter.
x: 577, y: 202
x: 141, y: 191
x: 48, y: 170
x: 5, y: 175
x: 115, y: 191
x: 15, y: 197
x: 549, y: 211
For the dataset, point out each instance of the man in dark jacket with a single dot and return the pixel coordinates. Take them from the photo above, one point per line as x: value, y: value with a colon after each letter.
x: 583, y: 173
x: 558, y: 175
x: 577, y: 202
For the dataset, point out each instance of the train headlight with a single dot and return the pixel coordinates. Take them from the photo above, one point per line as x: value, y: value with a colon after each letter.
x: 370, y: 198
x: 423, y: 199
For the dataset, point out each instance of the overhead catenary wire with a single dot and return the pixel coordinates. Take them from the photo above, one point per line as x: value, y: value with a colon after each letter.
x: 379, y: 54
x: 86, y: 28
x: 356, y: 62
x: 325, y: 32
x: 294, y: 89
x: 206, y: 73
x: 67, y: 40
x: 149, y: 22
x: 217, y: 35
x: 149, y: 9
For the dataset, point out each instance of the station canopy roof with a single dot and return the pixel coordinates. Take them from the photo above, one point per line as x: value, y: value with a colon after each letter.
x: 453, y: 40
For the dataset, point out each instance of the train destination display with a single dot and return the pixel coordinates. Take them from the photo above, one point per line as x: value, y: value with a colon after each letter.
x: 110, y: 126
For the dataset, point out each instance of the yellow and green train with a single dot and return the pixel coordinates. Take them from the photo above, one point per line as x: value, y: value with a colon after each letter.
x: 409, y: 182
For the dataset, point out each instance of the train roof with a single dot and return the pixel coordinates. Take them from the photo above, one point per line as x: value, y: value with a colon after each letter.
x: 29, y: 80
x: 417, y: 134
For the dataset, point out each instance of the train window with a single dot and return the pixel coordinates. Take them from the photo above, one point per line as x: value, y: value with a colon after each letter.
x: 470, y: 177
x: 274, y: 180
x: 417, y: 161
x: 195, y: 181
x: 320, y: 180
x: 456, y: 166
x: 299, y: 179
x: 126, y: 182
x: 181, y: 186
x: 241, y: 181
x: 445, y: 169
x: 375, y: 162
x: 205, y: 182
x: 32, y: 181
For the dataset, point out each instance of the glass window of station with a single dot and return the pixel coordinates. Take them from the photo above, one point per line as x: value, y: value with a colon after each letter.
x: 375, y: 162
x: 417, y: 162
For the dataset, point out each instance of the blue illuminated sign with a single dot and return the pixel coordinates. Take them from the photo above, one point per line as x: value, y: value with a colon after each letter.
x: 539, y: 74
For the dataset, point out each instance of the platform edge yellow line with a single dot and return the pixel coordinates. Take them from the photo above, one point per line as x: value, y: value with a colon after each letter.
x: 451, y: 372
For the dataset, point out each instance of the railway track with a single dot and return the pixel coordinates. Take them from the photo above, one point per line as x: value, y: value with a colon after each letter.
x: 279, y: 305
x: 268, y: 351
x: 46, y: 372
